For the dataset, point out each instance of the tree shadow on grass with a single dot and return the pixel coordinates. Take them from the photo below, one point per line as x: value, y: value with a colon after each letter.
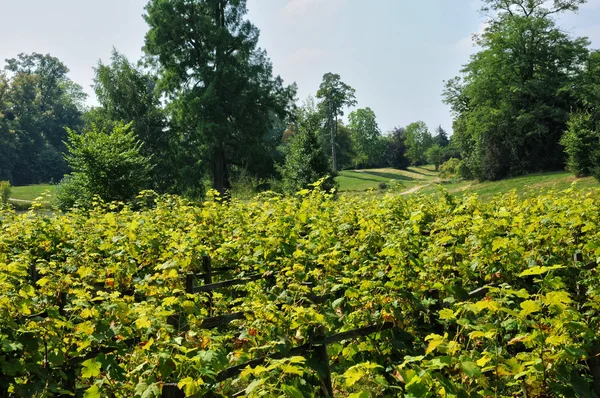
x: 390, y: 176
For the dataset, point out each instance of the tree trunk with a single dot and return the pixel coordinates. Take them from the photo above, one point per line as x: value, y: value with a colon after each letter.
x: 220, y: 175
x: 333, y: 153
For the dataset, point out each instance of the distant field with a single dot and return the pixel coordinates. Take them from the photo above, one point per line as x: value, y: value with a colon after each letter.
x: 31, y: 192
x: 362, y: 180
x: 424, y: 180
x: 533, y: 183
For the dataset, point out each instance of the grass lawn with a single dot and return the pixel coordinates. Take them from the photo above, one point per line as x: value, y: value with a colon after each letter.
x: 362, y: 180
x: 31, y: 192
x: 533, y: 183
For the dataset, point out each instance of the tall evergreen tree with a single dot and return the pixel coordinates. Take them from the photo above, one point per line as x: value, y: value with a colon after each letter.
x: 219, y: 84
x: 441, y: 137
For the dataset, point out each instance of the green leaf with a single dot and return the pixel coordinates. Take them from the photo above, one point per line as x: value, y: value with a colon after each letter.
x: 529, y: 307
x: 416, y: 388
x: 292, y: 391
x: 92, y: 392
x: 91, y: 368
x: 447, y: 314
x: 471, y: 369
x: 361, y: 394
x: 537, y: 270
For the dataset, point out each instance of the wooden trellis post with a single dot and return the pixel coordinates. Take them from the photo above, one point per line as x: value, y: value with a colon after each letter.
x: 321, y: 357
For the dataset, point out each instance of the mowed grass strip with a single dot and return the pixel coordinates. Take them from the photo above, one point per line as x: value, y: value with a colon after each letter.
x: 525, y: 185
x: 362, y: 180
x: 31, y: 192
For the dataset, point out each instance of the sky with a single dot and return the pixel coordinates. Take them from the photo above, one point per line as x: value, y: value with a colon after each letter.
x: 395, y: 53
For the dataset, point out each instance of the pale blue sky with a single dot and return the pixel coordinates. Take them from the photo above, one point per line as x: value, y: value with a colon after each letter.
x: 395, y: 53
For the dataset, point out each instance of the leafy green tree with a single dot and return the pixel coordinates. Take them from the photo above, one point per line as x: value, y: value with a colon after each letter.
x: 396, y: 149
x: 344, y: 147
x: 512, y: 102
x: 109, y: 165
x: 305, y: 161
x: 417, y: 139
x: 8, y: 139
x: 127, y: 94
x: 366, y: 137
x: 43, y: 101
x: 434, y: 155
x: 582, y: 144
x: 219, y: 85
x: 335, y: 95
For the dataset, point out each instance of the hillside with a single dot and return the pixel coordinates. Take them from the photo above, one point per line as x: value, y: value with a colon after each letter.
x: 425, y: 180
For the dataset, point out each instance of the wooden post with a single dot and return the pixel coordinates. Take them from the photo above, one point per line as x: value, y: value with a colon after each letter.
x: 321, y: 357
x: 189, y: 283
x: 172, y: 391
x: 34, y: 275
x: 207, y: 268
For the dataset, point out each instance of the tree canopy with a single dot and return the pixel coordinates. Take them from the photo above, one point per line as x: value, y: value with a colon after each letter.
x: 513, y: 99
x: 220, y: 85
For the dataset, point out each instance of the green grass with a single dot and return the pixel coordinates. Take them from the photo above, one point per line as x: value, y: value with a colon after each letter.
x: 530, y: 184
x: 31, y: 192
x: 362, y: 180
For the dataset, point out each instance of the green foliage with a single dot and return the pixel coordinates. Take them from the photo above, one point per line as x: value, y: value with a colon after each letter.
x: 441, y: 137
x: 305, y: 161
x: 367, y: 139
x: 395, y: 151
x: 417, y: 139
x: 220, y: 86
x: 37, y: 102
x: 5, y: 190
x: 450, y: 168
x: 127, y: 95
x: 582, y: 145
x: 434, y: 155
x: 99, y: 317
x: 513, y: 100
x: 335, y: 95
x: 107, y: 165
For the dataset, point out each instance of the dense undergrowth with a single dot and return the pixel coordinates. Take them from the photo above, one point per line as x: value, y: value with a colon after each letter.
x: 98, y: 320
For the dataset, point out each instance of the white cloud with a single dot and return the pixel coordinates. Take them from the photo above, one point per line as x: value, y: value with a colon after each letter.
x: 304, y: 56
x: 300, y: 8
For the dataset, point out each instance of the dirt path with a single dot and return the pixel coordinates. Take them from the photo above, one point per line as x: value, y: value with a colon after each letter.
x: 418, y: 187
x: 20, y: 200
x: 414, y: 189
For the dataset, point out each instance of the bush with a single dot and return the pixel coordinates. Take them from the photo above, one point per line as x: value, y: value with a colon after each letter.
x: 383, y: 186
x: 450, y: 168
x: 582, y: 145
x: 5, y: 190
x: 107, y: 165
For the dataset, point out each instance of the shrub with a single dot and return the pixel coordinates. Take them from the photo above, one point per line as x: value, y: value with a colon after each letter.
x: 5, y: 190
x: 383, y: 186
x: 107, y: 165
x: 582, y: 145
x: 450, y: 168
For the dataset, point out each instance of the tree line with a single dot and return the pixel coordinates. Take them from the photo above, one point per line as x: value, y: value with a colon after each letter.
x: 201, y: 109
x: 528, y: 100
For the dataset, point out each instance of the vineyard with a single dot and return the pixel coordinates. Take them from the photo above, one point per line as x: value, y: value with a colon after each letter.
x: 315, y: 295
